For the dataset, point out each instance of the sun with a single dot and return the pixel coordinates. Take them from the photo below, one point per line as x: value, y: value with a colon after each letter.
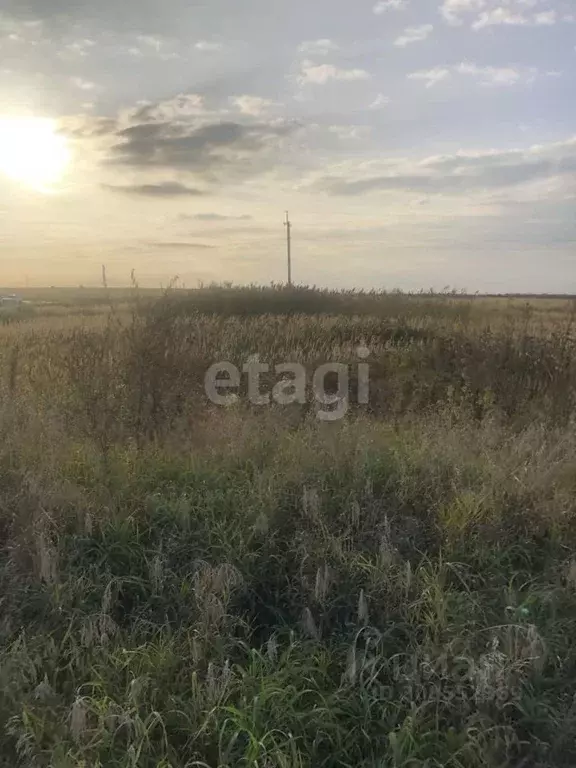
x: 32, y: 152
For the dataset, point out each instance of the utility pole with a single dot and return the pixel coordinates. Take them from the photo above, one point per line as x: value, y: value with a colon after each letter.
x: 288, y: 226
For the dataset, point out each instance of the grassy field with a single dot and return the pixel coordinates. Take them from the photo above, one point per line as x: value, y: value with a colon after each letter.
x: 184, y: 584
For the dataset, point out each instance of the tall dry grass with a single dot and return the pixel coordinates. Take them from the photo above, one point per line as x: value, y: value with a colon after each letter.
x: 184, y: 585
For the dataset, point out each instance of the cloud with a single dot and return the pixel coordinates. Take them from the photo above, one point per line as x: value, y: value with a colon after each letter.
x: 546, y: 18
x: 151, y: 41
x: 485, y: 75
x: 430, y: 76
x: 350, y: 132
x: 83, y: 127
x: 254, y: 106
x: 490, y: 13
x: 160, y: 189
x: 78, y: 48
x: 182, y: 106
x: 389, y: 5
x: 505, y: 16
x: 414, y: 35
x: 463, y: 172
x: 499, y: 16
x: 197, y: 146
x: 83, y: 85
x: 452, y: 10
x: 216, y: 217
x: 180, y: 139
x: 28, y: 31
x: 186, y: 246
x: 320, y: 74
x: 380, y: 101
x: 318, y: 47
x: 163, y: 48
x: 208, y: 47
x: 496, y: 75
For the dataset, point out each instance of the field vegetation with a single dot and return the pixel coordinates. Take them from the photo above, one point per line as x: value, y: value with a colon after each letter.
x: 183, y: 584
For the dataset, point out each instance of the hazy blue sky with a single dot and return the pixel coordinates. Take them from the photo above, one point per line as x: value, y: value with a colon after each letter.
x: 417, y: 143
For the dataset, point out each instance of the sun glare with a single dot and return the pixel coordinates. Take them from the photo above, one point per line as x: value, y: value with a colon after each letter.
x: 32, y: 152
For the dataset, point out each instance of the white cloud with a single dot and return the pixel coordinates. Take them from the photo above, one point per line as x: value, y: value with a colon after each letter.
x: 547, y: 18
x: 83, y: 85
x: 490, y: 13
x: 460, y: 173
x: 152, y: 45
x: 208, y: 47
x: 499, y: 16
x: 380, y: 101
x: 485, y: 75
x: 505, y: 16
x: 492, y: 75
x: 389, y: 5
x: 79, y: 47
x: 150, y: 41
x: 320, y: 74
x: 414, y: 35
x: 251, y: 105
x: 318, y: 47
x: 430, y: 76
x: 350, y: 132
x: 452, y: 9
x: 17, y: 31
x: 180, y: 107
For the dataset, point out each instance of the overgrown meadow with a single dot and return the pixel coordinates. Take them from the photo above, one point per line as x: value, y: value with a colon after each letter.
x: 184, y: 584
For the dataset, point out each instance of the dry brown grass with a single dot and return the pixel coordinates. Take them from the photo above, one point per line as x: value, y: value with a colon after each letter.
x: 187, y: 585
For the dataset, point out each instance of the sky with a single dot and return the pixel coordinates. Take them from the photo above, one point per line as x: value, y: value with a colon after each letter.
x: 417, y: 143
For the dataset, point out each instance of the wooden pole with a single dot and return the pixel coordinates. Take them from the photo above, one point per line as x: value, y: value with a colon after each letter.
x: 288, y: 226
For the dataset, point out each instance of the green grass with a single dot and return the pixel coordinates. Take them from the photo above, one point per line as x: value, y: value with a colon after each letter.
x: 184, y: 585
